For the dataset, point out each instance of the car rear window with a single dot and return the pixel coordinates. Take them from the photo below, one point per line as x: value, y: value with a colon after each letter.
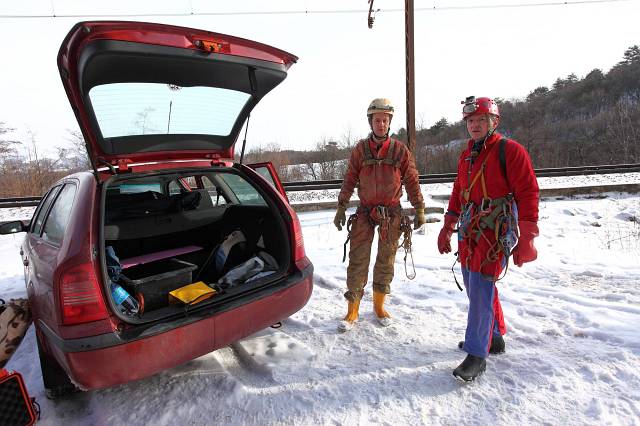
x: 221, y: 188
x: 129, y: 109
x: 134, y: 188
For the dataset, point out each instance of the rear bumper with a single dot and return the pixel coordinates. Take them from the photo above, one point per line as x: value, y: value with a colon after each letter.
x: 116, y: 358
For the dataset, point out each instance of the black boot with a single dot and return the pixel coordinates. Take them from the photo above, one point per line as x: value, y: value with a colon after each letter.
x: 470, y: 368
x: 497, y: 345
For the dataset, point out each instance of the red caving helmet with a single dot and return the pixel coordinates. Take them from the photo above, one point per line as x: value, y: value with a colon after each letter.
x: 473, y: 106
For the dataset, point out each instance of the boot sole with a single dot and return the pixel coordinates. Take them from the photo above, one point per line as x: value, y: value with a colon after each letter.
x: 345, y: 326
x: 469, y: 379
x: 384, y: 321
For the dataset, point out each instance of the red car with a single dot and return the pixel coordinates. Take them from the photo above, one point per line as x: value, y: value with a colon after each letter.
x: 160, y: 108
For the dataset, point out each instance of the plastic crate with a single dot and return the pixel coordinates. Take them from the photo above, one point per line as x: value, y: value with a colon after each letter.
x: 16, y: 407
x: 152, y: 282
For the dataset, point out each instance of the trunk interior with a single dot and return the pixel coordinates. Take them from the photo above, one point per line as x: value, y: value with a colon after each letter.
x: 163, y: 232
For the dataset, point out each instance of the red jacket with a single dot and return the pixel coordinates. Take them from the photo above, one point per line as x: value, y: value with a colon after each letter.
x: 520, y: 181
x: 381, y: 183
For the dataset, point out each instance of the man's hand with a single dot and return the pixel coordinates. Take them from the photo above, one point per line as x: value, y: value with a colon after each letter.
x: 525, y: 251
x: 419, y: 219
x: 341, y: 217
x: 444, y: 238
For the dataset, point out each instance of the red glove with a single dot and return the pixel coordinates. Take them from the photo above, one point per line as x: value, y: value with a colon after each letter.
x: 525, y: 251
x: 444, y: 238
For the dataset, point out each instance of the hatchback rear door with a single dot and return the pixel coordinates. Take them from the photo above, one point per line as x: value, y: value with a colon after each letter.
x: 269, y: 173
x: 145, y: 92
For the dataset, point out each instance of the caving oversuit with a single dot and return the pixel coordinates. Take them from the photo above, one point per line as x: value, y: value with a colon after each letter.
x: 378, y: 171
x: 481, y: 193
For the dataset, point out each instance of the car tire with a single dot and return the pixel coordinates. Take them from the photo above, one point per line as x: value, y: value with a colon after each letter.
x: 56, y: 382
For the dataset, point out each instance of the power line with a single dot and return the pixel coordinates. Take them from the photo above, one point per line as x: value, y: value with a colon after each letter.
x: 310, y: 12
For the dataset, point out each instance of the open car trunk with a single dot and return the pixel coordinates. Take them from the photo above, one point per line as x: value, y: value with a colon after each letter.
x: 164, y: 231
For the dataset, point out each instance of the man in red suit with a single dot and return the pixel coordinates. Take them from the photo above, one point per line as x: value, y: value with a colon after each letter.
x: 495, y: 194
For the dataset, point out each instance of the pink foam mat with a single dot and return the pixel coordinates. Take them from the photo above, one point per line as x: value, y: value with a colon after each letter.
x: 163, y: 254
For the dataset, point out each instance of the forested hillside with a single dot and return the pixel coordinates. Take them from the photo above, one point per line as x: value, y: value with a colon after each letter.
x: 578, y: 121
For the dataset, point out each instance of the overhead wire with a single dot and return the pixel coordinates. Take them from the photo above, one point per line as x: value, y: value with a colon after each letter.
x: 307, y: 11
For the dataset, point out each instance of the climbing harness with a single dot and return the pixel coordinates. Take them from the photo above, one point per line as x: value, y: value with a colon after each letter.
x: 370, y: 160
x: 499, y: 215
x: 380, y: 216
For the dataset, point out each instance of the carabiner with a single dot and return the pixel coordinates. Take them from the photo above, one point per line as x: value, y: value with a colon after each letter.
x: 485, y: 205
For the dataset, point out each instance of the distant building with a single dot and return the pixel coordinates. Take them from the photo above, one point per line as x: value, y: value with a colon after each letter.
x: 331, y: 145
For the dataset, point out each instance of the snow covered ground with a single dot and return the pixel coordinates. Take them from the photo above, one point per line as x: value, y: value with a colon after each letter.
x: 573, y: 345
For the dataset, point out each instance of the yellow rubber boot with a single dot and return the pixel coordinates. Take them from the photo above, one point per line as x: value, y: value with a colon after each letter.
x: 351, y: 317
x: 352, y: 311
x: 378, y: 307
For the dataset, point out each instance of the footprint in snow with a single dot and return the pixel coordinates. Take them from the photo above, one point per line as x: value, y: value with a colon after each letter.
x: 588, y: 273
x: 325, y: 282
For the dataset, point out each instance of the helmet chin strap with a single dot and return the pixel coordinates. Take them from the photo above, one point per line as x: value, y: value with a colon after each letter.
x: 377, y: 138
x: 478, y: 144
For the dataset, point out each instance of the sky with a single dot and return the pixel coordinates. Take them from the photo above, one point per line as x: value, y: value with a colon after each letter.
x: 501, y: 52
x: 572, y: 343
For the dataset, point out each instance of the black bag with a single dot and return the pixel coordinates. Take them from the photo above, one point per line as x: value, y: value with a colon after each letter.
x: 16, y: 407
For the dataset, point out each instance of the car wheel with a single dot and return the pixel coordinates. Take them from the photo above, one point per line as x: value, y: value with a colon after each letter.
x: 56, y: 382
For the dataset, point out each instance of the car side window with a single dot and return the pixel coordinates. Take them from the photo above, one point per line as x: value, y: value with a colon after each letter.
x: 42, y: 210
x: 264, y: 172
x: 174, y: 188
x: 58, y: 218
x: 243, y: 190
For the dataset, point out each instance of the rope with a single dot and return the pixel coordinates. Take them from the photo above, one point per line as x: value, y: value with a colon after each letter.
x: 454, y: 273
x: 352, y: 219
x: 407, y: 231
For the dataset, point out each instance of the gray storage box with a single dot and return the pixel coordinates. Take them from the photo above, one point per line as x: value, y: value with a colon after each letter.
x: 153, y: 281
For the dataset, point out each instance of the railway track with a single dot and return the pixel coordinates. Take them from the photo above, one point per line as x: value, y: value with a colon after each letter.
x: 449, y: 177
x: 424, y: 179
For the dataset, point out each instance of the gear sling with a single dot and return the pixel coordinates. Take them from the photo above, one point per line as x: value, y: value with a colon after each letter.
x: 499, y: 215
x: 380, y: 215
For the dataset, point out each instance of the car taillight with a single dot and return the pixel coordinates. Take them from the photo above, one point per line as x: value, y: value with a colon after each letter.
x: 299, y: 255
x: 80, y: 296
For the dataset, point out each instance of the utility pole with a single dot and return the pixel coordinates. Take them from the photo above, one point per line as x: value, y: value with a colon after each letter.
x: 409, y: 70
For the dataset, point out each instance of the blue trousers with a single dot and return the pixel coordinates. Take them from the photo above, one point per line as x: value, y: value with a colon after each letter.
x: 484, y: 319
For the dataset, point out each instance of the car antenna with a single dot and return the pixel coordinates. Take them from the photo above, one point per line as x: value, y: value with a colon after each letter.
x: 244, y: 142
x: 173, y: 88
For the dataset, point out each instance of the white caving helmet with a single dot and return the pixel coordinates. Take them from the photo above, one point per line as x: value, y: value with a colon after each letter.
x: 380, y: 105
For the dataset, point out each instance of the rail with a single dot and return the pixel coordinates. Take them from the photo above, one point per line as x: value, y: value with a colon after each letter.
x: 449, y: 177
x: 424, y: 179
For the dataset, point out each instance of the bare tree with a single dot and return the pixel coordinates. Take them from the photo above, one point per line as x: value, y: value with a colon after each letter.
x: 74, y: 158
x: 144, y: 123
x: 7, y: 146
